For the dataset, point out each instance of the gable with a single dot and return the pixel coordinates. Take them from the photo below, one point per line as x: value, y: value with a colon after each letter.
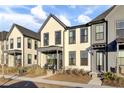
x: 14, y: 33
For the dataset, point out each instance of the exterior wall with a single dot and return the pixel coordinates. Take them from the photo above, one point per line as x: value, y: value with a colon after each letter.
x: 13, y: 35
x: 31, y: 51
x: 76, y: 47
x: 51, y: 26
x: 24, y: 49
x: 116, y: 14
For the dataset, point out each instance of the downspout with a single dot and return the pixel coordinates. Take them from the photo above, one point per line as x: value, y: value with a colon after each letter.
x: 63, y: 49
x: 106, y: 46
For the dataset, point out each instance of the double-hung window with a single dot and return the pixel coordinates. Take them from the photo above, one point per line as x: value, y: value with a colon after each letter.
x: 46, y: 39
x: 120, y: 28
x: 35, y: 44
x: 72, y: 58
x: 58, y: 37
x: 83, y: 35
x: 83, y: 58
x: 19, y: 42
x: 29, y: 58
x: 72, y: 37
x: 99, y: 31
x: 29, y: 43
x: 11, y: 43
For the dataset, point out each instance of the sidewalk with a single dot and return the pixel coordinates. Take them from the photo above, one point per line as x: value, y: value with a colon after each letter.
x: 63, y: 83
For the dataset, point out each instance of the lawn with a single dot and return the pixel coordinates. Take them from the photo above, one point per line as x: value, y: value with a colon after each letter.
x: 70, y: 78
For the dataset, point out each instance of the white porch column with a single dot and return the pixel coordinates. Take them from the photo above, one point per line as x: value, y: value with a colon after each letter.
x: 117, y: 59
x: 57, y: 60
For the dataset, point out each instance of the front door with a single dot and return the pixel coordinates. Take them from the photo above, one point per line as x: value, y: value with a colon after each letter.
x: 100, y: 61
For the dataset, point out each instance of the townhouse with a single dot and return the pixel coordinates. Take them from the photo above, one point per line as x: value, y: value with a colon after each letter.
x: 65, y: 47
x: 22, y: 46
x: 107, y: 45
x: 3, y: 46
x: 97, y: 46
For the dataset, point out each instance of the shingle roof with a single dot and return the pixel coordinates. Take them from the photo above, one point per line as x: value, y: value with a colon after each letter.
x: 51, y: 15
x: 3, y: 35
x: 102, y: 16
x: 26, y: 32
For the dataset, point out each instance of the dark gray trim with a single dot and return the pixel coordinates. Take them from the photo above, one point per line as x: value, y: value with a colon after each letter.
x: 106, y: 47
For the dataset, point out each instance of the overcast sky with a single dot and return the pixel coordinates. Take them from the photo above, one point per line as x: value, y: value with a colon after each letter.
x: 32, y: 17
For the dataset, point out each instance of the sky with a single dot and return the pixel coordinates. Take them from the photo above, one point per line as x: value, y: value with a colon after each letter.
x: 33, y: 16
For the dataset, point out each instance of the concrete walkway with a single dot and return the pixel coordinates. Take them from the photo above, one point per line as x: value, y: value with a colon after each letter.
x: 63, y: 83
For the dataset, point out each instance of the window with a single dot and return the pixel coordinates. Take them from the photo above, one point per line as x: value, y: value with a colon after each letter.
x: 29, y: 58
x: 29, y: 43
x: 83, y: 35
x: 72, y: 58
x: 46, y: 39
x: 99, y: 32
x: 120, y: 28
x: 11, y: 43
x: 19, y: 42
x: 83, y: 58
x: 35, y: 57
x: 72, y: 37
x: 35, y: 44
x: 58, y: 37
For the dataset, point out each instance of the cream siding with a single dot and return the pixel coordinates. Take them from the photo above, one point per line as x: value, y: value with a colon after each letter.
x: 76, y: 47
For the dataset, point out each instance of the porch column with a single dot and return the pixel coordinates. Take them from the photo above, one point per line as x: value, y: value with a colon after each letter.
x: 57, y: 60
x: 117, y: 59
x: 14, y: 59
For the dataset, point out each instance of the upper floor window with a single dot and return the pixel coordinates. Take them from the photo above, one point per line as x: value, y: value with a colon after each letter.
x: 35, y: 44
x: 99, y: 32
x: 11, y: 43
x: 58, y: 37
x: 46, y: 39
x: 84, y: 58
x: 29, y: 43
x: 83, y: 35
x: 72, y: 37
x: 72, y: 57
x: 120, y: 28
x: 120, y: 24
x: 19, y: 42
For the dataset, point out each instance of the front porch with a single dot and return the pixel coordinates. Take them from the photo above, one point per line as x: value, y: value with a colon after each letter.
x: 14, y: 58
x: 51, y: 57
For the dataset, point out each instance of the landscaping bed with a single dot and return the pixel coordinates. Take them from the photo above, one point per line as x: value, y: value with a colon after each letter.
x: 74, y: 75
x: 111, y: 79
x: 29, y: 71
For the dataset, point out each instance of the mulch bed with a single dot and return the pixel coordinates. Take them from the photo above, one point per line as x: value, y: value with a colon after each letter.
x: 70, y: 78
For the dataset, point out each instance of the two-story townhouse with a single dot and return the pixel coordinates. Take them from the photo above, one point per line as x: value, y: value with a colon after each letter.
x: 76, y: 47
x: 62, y: 46
x: 107, y: 48
x: 51, y: 49
x: 3, y: 47
x: 22, y: 46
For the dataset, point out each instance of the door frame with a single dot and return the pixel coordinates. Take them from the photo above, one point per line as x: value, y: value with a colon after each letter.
x: 100, y: 67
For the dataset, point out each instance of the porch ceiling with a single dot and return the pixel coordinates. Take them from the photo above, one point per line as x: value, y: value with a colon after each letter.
x: 120, y: 40
x: 13, y: 51
x: 99, y: 45
x: 50, y: 49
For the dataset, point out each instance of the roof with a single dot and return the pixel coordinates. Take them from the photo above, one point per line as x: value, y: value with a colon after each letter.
x: 26, y: 32
x: 48, y: 18
x: 77, y: 26
x: 101, y: 17
x: 3, y: 35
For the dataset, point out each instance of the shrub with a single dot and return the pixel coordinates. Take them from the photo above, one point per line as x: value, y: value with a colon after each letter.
x: 75, y: 71
x: 110, y: 76
x: 68, y: 71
